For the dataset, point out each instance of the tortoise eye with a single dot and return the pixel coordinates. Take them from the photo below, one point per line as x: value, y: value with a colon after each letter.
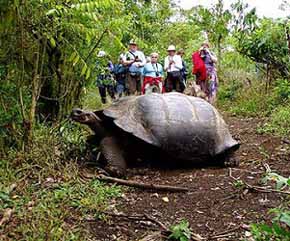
x: 77, y: 111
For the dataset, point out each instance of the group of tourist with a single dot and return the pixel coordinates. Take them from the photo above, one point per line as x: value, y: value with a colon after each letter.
x: 135, y: 74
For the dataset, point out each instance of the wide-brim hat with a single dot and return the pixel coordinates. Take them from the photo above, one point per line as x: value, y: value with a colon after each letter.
x: 171, y: 48
x: 133, y: 42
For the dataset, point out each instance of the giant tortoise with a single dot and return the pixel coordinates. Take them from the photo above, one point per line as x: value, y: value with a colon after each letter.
x: 169, y: 126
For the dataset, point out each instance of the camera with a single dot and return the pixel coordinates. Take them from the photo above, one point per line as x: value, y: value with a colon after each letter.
x: 203, y: 53
x: 137, y: 59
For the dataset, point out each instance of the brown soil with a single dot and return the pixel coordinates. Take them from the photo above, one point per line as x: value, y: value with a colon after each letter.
x: 214, y: 204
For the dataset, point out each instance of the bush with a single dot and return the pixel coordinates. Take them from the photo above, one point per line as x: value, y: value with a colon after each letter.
x: 91, y: 98
x: 229, y: 92
x: 252, y: 102
x: 278, y: 122
x: 10, y: 115
x: 282, y: 90
x: 45, y: 190
x: 279, y: 229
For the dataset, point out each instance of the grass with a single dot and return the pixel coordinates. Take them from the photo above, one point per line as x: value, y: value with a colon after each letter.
x: 45, y: 190
x: 246, y: 102
x: 278, y: 122
x: 274, y: 106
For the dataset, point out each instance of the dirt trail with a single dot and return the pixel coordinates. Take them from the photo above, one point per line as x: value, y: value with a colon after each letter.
x: 214, y: 204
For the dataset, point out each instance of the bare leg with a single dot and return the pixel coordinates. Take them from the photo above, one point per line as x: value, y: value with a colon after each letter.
x: 112, y: 152
x: 160, y: 87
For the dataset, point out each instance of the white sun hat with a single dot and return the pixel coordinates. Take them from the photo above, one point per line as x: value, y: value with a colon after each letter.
x: 101, y: 53
x: 171, y: 48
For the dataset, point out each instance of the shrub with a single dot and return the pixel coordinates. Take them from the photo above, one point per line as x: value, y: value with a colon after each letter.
x: 180, y: 232
x: 229, y: 92
x: 279, y: 229
x: 45, y: 190
x: 10, y: 115
x: 282, y: 90
x: 278, y: 122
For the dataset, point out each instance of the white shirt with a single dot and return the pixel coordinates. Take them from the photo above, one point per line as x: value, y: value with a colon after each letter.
x: 135, y: 66
x: 176, y: 66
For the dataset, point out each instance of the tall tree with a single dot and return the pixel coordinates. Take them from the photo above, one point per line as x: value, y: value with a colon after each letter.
x: 214, y: 21
x: 47, y: 48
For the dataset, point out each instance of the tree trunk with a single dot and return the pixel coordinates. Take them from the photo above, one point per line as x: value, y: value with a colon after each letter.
x: 34, y: 97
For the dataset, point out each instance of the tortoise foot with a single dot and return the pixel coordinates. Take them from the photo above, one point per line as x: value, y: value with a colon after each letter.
x: 232, y: 162
x: 114, y: 171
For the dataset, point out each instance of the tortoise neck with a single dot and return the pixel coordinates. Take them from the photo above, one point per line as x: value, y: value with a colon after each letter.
x: 98, y: 129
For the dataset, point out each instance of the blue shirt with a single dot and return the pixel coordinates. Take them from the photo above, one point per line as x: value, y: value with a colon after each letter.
x: 120, y: 72
x: 153, y: 70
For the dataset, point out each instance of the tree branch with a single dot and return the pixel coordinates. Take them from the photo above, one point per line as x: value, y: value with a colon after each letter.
x: 96, y: 45
x: 257, y: 188
x: 142, y: 185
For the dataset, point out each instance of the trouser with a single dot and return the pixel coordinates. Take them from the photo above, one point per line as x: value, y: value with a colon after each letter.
x: 120, y: 88
x: 133, y: 83
x: 173, y: 81
x: 182, y: 85
x: 103, y: 92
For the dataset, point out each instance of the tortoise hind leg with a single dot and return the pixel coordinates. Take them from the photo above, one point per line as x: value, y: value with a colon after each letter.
x: 116, y: 164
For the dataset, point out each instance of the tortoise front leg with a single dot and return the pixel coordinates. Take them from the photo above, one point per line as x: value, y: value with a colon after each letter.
x: 231, y: 161
x: 116, y: 164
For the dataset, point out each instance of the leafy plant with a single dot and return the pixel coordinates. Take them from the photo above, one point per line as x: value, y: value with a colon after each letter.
x: 279, y: 230
x: 278, y: 122
x: 229, y: 91
x: 280, y: 227
x: 281, y: 182
x: 53, y: 198
x: 238, y: 184
x: 282, y: 89
x: 181, y: 231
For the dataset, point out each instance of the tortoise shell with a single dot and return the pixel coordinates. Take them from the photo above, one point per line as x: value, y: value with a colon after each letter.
x: 184, y: 126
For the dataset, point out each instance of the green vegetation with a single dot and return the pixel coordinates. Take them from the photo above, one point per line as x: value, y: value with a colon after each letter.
x: 280, y: 226
x: 180, y: 231
x: 45, y: 190
x: 278, y: 230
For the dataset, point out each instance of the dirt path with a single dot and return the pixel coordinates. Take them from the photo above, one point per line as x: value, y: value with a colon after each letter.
x: 214, y: 204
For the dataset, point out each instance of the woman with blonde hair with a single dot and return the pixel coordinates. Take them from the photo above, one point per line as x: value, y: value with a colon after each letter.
x: 153, y: 75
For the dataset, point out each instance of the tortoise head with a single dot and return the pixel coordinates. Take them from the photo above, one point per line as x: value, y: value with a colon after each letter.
x: 84, y: 117
x: 89, y: 118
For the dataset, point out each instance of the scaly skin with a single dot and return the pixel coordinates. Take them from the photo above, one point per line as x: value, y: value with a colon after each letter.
x: 116, y: 165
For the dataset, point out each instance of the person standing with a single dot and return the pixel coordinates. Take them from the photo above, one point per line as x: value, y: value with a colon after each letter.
x: 120, y: 75
x: 173, y: 67
x: 105, y: 80
x: 183, y: 70
x: 134, y: 60
x: 210, y: 61
x: 199, y: 70
x: 153, y: 74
